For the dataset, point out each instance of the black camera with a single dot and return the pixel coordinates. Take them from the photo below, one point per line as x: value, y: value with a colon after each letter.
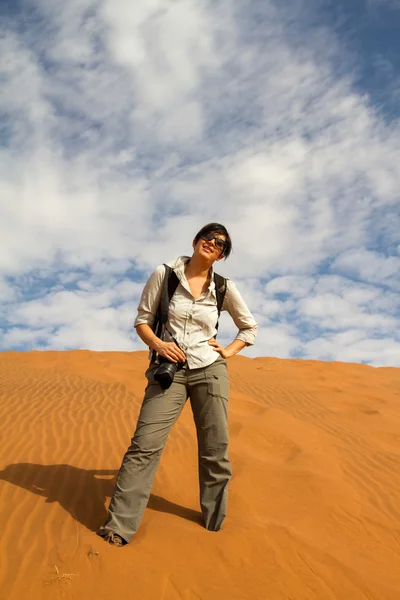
x: 165, y: 372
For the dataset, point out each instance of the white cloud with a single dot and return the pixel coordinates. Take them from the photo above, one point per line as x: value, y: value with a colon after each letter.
x: 276, y: 340
x: 370, y: 266
x: 297, y: 286
x: 382, y: 352
x: 95, y: 317
x: 130, y: 126
x: 7, y: 292
x: 333, y: 312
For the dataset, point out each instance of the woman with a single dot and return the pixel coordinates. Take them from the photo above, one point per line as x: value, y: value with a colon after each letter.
x: 189, y: 342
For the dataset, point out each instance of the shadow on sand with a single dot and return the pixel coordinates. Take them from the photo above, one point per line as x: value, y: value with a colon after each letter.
x: 81, y: 492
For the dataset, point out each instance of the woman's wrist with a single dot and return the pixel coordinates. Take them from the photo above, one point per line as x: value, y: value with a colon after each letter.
x: 228, y: 353
x: 147, y: 335
x: 157, y: 345
x: 233, y: 348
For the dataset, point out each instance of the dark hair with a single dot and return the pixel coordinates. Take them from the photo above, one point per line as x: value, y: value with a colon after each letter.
x: 216, y: 228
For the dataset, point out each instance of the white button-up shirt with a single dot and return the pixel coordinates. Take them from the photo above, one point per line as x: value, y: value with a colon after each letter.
x: 193, y: 322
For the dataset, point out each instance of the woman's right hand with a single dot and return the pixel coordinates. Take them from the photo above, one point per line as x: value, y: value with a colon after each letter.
x: 171, y: 352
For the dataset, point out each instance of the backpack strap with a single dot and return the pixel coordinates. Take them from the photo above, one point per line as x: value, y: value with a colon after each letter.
x: 169, y: 285
x: 220, y: 291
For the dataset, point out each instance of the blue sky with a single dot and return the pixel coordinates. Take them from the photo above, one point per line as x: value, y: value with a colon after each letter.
x: 127, y: 126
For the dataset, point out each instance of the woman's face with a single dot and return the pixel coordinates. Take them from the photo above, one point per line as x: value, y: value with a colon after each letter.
x: 208, y: 248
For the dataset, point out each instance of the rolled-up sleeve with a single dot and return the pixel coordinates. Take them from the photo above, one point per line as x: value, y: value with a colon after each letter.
x: 150, y: 298
x: 241, y: 315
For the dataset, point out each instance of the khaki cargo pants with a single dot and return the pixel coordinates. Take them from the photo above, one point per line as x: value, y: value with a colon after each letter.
x: 208, y: 389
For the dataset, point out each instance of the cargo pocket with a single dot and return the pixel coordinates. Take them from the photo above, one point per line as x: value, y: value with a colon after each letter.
x: 218, y: 386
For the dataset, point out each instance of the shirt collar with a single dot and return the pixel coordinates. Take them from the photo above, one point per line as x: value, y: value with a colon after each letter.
x: 179, y: 264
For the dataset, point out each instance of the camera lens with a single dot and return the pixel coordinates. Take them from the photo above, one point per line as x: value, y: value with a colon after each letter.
x: 165, y: 374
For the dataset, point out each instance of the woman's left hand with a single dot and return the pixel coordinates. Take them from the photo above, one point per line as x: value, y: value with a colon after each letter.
x: 218, y: 348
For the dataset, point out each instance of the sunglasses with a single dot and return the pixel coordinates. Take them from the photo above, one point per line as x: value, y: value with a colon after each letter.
x: 219, y: 243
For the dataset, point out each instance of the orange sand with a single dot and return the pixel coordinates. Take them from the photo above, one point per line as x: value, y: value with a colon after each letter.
x: 314, y: 510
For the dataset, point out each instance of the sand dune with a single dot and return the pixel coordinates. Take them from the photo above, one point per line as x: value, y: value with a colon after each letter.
x: 314, y: 509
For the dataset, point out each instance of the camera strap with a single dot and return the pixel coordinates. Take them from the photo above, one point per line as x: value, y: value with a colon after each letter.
x: 172, y: 337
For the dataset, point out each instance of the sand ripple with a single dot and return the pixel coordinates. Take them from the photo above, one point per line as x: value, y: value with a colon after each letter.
x: 314, y: 510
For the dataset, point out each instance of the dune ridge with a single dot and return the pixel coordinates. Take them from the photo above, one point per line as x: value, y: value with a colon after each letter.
x: 314, y: 507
